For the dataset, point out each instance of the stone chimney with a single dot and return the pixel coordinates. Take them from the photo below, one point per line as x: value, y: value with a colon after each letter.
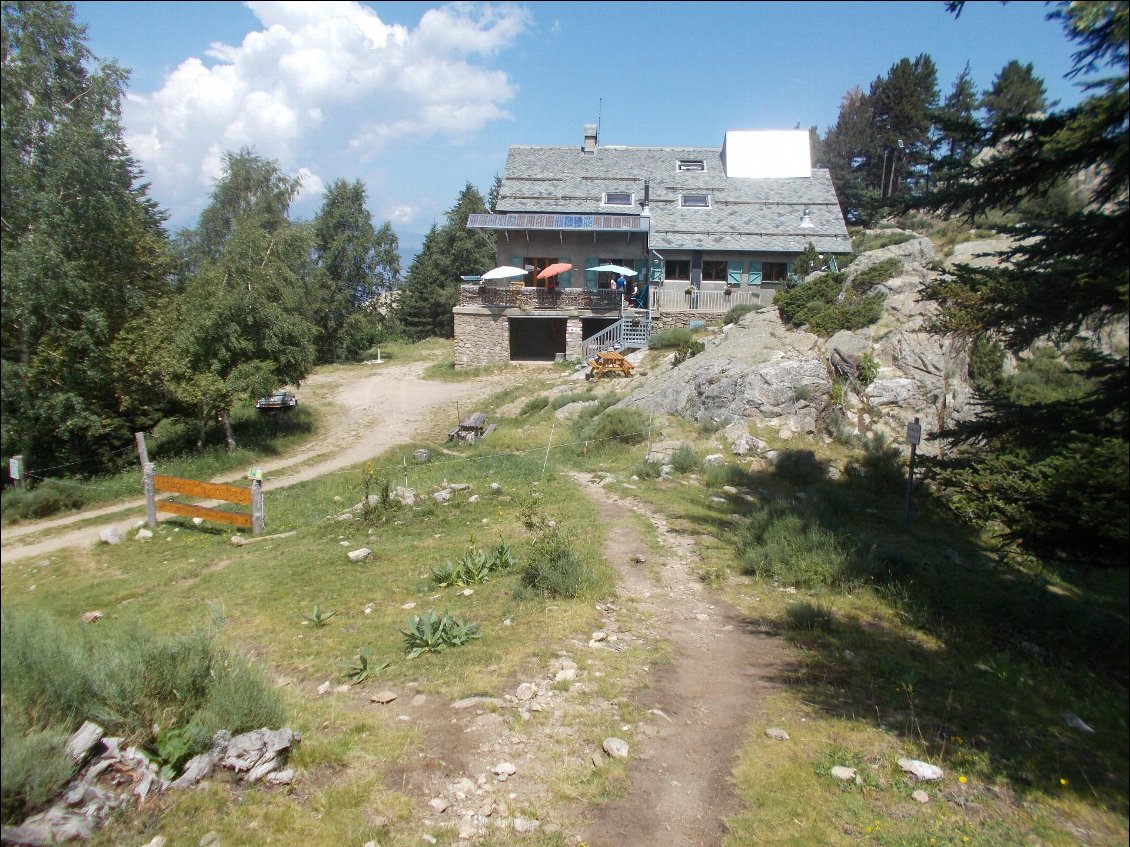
x: 590, y: 139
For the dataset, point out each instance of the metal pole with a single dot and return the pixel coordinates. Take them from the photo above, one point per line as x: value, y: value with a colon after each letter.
x: 913, y: 435
x: 142, y: 453
x: 258, y: 518
x: 150, y: 495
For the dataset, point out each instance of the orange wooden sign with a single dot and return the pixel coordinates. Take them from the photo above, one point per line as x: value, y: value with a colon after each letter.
x: 209, y: 490
x: 233, y: 518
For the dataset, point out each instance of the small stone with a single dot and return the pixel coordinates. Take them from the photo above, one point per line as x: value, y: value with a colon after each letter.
x: 439, y: 804
x: 526, y: 691
x: 598, y: 760
x: 91, y: 617
x: 921, y: 796
x: 158, y: 841
x: 408, y: 606
x: 840, y: 772
x: 325, y: 687
x: 283, y: 777
x: 617, y: 748
x: 566, y: 675
x: 638, y: 559
x: 467, y: 592
x: 360, y: 554
x: 143, y: 535
x: 238, y: 541
x: 210, y: 838
x: 777, y: 734
x: 419, y: 700
x: 110, y: 535
x: 383, y: 697
x: 504, y: 769
x: 525, y: 825
x: 599, y: 636
x: 921, y: 770
x: 197, y: 521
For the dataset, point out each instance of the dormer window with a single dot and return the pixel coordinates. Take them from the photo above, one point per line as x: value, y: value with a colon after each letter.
x: 617, y: 198
x: 694, y: 201
x: 690, y: 165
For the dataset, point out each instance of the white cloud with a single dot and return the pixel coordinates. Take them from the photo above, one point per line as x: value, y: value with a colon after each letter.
x: 404, y: 214
x: 318, y: 80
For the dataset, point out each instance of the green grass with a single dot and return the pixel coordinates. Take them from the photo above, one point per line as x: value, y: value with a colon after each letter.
x: 918, y: 640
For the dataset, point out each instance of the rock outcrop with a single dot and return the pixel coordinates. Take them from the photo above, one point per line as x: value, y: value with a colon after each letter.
x: 759, y: 370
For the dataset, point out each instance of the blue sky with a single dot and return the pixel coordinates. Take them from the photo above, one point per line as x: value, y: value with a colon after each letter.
x: 417, y: 99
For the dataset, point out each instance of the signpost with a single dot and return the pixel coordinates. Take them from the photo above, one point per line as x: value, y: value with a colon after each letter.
x: 16, y: 470
x: 914, y: 436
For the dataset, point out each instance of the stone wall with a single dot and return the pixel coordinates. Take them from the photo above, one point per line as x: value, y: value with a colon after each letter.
x: 681, y: 320
x: 481, y: 338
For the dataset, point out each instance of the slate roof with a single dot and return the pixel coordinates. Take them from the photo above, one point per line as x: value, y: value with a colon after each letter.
x: 761, y: 215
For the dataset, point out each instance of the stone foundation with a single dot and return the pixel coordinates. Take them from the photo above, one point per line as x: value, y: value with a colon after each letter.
x: 481, y: 338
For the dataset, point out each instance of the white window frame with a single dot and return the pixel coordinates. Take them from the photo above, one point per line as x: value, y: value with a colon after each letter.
x: 695, y: 165
x: 683, y: 204
x: 631, y: 199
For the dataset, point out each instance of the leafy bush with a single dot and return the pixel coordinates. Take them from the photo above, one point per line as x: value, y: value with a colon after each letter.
x: 47, y: 498
x: 362, y: 667
x: 647, y: 470
x: 736, y: 313
x: 428, y: 633
x: 475, y: 567
x: 807, y: 262
x: 867, y: 369
x: 670, y: 339
x: 317, y: 618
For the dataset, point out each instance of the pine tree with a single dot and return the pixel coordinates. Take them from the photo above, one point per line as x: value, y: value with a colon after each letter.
x: 1052, y: 467
x: 958, y: 133
x: 431, y: 290
x: 1016, y: 93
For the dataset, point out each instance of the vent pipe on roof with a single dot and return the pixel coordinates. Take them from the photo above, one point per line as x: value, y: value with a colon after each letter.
x: 590, y: 139
x: 646, y: 198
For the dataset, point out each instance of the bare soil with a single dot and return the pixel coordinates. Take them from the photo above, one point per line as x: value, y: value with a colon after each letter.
x: 373, y: 408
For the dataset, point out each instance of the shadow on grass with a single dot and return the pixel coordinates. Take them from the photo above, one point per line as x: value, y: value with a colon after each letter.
x: 980, y: 663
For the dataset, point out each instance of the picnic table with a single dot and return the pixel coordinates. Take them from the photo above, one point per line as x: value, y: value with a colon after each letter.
x: 471, y: 428
x: 608, y: 362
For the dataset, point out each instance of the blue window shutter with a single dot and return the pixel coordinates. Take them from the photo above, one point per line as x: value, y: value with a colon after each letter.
x: 734, y: 273
x: 516, y: 262
x: 563, y: 278
x: 755, y: 273
x: 591, y: 276
x: 656, y: 270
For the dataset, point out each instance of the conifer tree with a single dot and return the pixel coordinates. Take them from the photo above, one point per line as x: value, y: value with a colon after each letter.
x: 1052, y: 467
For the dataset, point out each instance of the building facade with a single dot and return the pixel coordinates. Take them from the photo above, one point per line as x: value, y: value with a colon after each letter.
x: 704, y: 229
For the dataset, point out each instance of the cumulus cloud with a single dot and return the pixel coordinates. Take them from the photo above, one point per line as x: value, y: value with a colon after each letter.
x: 318, y: 71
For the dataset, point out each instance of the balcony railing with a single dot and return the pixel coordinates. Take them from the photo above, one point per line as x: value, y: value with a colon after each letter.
x: 677, y: 299
x: 603, y: 300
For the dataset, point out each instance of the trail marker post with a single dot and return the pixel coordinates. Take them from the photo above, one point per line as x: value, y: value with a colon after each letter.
x: 914, y: 436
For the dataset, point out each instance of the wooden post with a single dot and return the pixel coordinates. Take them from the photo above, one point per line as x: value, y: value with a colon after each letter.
x: 142, y: 453
x: 150, y: 496
x: 258, y: 518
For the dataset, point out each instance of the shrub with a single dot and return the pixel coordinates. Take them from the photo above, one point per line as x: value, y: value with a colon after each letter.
x: 878, y: 273
x: 428, y: 633
x: 628, y: 426
x: 647, y: 470
x: 736, y: 313
x: 867, y: 370
x: 685, y: 459
x: 726, y: 474
x: 686, y: 351
x: 670, y: 339
x: 868, y: 240
x: 817, y: 304
x: 811, y: 617
x: 799, y: 467
x: 47, y: 498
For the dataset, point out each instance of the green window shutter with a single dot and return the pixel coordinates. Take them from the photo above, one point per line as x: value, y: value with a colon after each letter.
x: 516, y: 262
x: 563, y: 278
x: 755, y: 273
x: 734, y: 273
x: 656, y: 270
x: 591, y: 276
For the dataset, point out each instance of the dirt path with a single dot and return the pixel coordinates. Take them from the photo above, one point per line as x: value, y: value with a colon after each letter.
x: 696, y: 713
x: 373, y: 409
x: 720, y: 670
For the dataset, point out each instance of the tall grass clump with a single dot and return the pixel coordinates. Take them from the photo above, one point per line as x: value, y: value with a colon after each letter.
x: 626, y: 426
x: 784, y: 544
x: 33, y: 770
x: 685, y: 459
x: 133, y: 684
x: 552, y: 568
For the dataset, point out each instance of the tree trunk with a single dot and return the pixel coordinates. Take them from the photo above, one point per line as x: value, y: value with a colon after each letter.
x: 229, y: 439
